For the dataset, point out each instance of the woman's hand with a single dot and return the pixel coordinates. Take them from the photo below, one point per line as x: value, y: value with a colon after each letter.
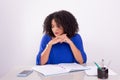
x: 62, y: 38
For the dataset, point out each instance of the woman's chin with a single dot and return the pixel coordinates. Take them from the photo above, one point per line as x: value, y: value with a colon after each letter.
x: 57, y: 35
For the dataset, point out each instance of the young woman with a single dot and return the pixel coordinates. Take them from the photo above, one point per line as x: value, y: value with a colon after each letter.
x: 61, y: 42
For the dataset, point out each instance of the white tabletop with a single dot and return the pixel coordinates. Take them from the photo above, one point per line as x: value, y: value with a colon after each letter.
x: 79, y: 75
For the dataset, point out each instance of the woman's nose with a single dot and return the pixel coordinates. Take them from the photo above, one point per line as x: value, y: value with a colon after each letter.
x: 56, y: 28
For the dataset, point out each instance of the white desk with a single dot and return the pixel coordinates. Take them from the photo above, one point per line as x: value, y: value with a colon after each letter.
x: 79, y: 75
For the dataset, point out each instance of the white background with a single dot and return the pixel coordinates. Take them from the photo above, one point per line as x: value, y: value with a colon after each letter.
x: 21, y: 29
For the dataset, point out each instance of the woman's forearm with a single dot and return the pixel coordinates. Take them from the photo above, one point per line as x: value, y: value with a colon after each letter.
x: 45, y: 54
x: 76, y: 53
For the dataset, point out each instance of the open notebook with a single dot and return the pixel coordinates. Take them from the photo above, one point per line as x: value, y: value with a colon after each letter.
x: 50, y: 69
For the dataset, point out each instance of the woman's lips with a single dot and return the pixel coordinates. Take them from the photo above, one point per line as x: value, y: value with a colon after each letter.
x: 56, y: 33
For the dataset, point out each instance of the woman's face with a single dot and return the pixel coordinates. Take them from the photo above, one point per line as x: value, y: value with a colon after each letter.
x: 56, y: 29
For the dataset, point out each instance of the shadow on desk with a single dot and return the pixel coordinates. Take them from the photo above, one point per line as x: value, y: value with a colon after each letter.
x: 64, y: 76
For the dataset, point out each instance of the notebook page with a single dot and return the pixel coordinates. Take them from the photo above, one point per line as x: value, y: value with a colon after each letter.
x: 72, y: 66
x: 49, y: 69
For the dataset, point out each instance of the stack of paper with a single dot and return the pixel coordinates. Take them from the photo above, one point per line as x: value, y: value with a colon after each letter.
x: 93, y: 71
x: 50, y: 69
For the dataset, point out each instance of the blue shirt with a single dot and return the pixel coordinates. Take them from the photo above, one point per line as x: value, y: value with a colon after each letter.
x: 61, y: 52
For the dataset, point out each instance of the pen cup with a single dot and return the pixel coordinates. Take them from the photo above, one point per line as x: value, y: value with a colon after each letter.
x: 102, y: 73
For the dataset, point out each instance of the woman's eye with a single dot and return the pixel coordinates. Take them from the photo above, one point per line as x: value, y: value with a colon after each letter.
x: 52, y: 27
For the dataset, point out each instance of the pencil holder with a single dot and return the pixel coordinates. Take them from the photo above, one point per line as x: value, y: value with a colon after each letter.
x: 102, y: 73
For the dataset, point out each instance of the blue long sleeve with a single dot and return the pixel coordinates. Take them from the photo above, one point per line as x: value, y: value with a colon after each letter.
x: 61, y: 52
